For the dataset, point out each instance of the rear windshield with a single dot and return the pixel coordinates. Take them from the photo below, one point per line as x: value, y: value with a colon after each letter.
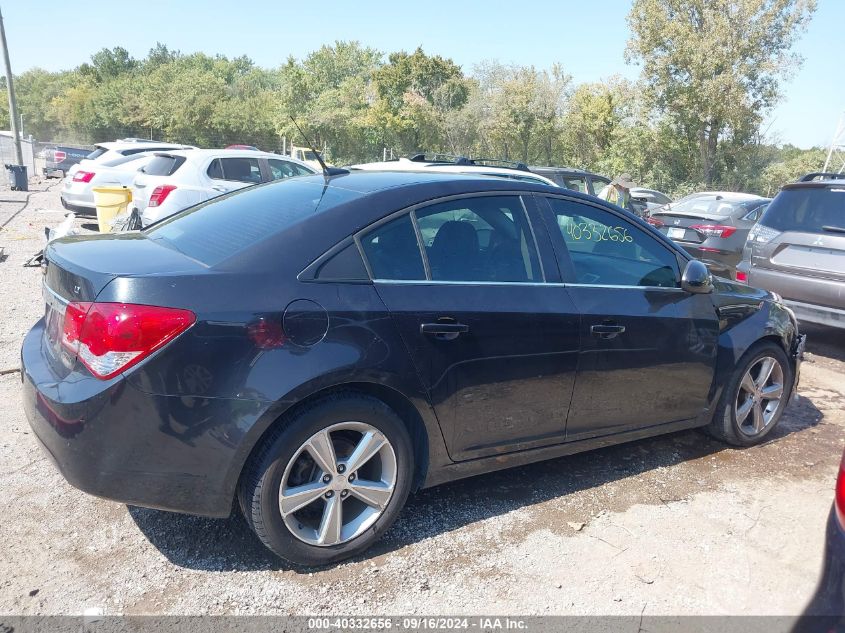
x: 707, y: 206
x: 122, y: 160
x: 807, y: 210
x: 163, y: 165
x: 98, y: 151
x: 217, y: 230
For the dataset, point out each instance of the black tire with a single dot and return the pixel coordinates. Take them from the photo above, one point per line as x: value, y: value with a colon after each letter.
x: 261, y: 480
x: 724, y: 425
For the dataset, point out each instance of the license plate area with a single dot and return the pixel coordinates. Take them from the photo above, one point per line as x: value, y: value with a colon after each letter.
x: 675, y: 233
x: 54, y: 319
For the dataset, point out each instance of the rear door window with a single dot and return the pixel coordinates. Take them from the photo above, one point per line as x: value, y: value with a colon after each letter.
x: 236, y: 169
x: 484, y: 238
x: 576, y: 184
x: 285, y: 169
x: 598, y: 184
x: 806, y: 210
x: 393, y: 252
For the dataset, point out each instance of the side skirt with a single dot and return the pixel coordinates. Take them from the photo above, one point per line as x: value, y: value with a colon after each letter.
x: 483, y: 465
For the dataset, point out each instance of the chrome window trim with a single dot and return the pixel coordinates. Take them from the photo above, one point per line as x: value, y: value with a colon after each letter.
x: 659, y: 239
x: 554, y: 284
x: 411, y: 210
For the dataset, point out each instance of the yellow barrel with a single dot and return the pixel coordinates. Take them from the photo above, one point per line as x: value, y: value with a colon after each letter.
x: 110, y: 202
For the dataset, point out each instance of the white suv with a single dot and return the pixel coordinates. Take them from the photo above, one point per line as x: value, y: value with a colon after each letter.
x: 461, y: 166
x: 76, y: 190
x: 175, y: 180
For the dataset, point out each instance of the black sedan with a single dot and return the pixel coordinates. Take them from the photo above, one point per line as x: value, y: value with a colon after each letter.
x: 318, y: 348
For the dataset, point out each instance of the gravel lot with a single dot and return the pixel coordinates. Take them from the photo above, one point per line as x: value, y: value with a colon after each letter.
x: 675, y: 525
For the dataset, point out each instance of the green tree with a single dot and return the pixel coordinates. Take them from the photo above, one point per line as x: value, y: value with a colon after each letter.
x: 715, y: 67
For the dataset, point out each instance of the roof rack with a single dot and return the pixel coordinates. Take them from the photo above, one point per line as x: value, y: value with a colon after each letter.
x: 452, y: 159
x: 821, y: 175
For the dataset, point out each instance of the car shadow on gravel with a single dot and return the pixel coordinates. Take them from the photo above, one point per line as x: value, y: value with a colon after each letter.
x: 229, y: 545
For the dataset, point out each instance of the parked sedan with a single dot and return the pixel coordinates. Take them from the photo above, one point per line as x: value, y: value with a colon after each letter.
x: 712, y: 226
x: 173, y: 181
x: 318, y: 348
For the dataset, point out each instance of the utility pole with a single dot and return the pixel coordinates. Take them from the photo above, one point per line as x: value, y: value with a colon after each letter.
x: 836, y: 153
x: 13, y: 105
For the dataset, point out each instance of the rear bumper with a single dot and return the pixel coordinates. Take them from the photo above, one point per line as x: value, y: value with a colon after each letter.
x: 109, y: 439
x: 817, y: 314
x: 73, y: 198
x: 810, y: 298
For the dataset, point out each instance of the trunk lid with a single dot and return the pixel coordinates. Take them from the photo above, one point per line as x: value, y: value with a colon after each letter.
x: 676, y: 225
x: 78, y: 268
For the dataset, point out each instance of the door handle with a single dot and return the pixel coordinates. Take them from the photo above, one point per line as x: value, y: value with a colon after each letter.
x: 444, y: 331
x: 607, y: 331
x: 219, y: 188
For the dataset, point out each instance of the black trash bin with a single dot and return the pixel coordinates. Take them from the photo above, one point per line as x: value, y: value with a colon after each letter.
x: 17, y: 177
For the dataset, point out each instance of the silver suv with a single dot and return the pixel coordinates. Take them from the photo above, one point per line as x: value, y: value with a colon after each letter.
x: 797, y: 249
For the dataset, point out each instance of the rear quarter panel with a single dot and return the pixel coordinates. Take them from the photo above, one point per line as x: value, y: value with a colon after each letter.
x: 217, y: 358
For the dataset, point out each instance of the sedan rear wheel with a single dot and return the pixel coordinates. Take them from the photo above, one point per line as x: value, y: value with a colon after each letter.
x: 326, y: 483
x: 338, y: 483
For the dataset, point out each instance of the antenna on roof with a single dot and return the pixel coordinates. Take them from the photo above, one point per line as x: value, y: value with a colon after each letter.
x: 327, y: 171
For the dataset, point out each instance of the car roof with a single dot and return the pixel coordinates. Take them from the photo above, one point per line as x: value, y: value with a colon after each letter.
x: 201, y: 154
x: 405, y: 164
x: 731, y: 196
x: 356, y: 199
x: 564, y: 170
x: 827, y: 183
x: 124, y: 144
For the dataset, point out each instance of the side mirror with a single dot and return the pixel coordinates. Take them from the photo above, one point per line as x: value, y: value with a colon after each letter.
x: 696, y: 278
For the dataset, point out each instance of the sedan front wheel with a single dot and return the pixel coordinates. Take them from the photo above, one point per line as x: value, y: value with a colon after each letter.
x: 755, y: 396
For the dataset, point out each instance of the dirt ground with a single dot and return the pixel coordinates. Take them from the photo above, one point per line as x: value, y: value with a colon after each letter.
x: 675, y: 525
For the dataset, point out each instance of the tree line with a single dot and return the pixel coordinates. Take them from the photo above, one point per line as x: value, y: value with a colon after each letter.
x: 711, y: 72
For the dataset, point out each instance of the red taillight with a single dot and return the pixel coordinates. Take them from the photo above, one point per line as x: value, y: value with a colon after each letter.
x: 654, y: 221
x: 109, y: 338
x: 160, y: 194
x: 714, y: 230
x: 58, y: 156
x: 741, y: 276
x: 840, y: 494
x: 83, y: 176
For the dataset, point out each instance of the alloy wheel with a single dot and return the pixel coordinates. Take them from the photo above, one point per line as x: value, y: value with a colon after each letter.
x: 759, y: 395
x: 337, y: 484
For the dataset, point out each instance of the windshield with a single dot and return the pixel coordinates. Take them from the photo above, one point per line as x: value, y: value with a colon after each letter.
x: 225, y: 226
x: 806, y: 209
